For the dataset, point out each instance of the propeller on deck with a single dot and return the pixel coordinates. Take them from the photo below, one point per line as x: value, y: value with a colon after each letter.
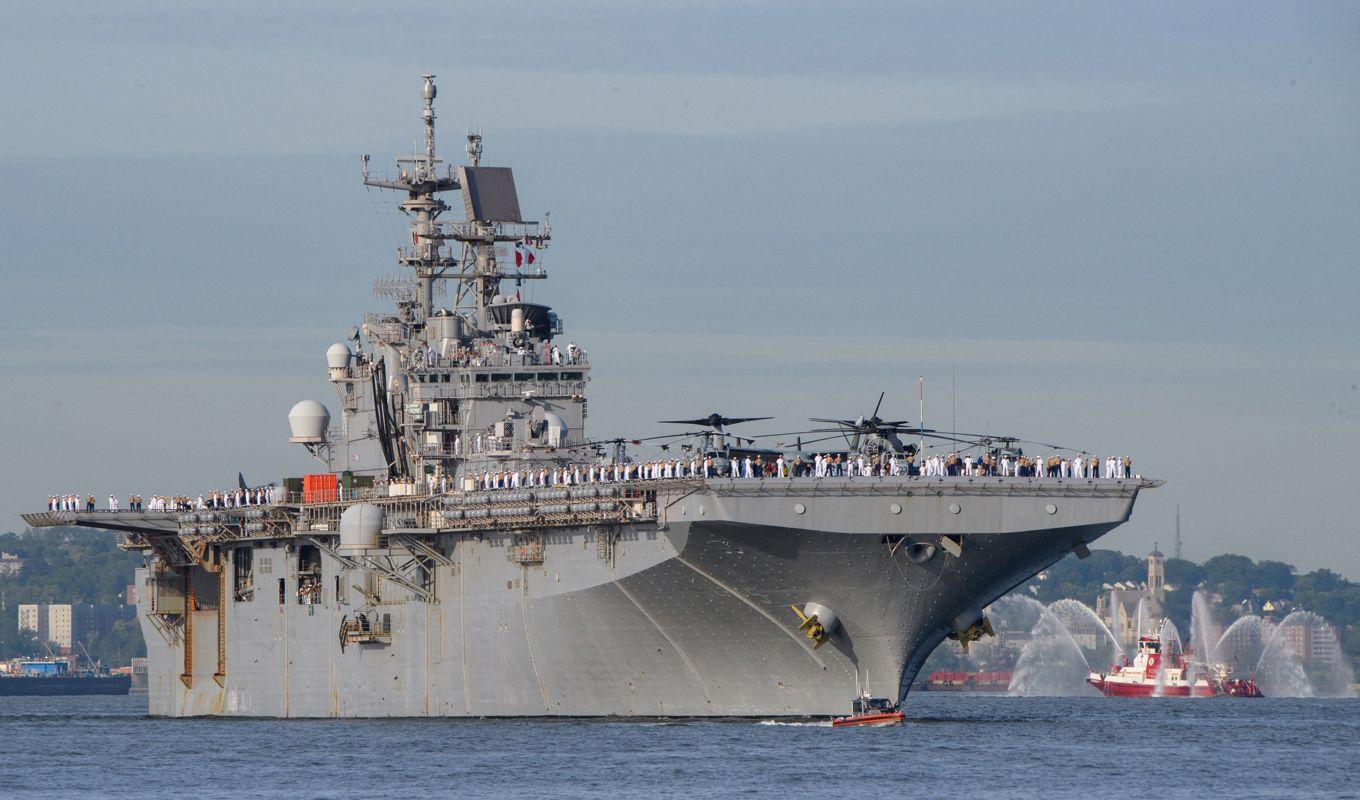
x: 871, y: 424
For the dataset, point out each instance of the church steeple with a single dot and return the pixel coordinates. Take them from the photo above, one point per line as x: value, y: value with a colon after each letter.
x: 1156, y: 579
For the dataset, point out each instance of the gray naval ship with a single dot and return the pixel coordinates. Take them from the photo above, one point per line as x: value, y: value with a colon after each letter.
x: 470, y: 551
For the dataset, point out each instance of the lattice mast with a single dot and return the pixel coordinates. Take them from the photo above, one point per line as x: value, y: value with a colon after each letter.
x: 419, y: 176
x: 492, y: 219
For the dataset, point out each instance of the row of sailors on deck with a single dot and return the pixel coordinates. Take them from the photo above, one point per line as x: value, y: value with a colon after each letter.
x: 598, y: 473
x: 226, y: 499
x: 820, y: 467
x: 574, y: 354
x: 1020, y: 466
x: 72, y: 502
x: 263, y: 495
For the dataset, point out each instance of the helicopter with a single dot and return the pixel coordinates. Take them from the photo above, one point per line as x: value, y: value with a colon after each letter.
x: 871, y: 435
x: 723, y: 448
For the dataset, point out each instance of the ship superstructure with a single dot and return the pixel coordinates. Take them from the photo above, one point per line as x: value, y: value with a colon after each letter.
x: 469, y: 551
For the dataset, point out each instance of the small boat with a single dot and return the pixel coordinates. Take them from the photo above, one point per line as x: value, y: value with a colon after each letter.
x: 872, y: 712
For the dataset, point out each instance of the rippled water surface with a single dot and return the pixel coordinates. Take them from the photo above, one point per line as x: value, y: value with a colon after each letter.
x: 951, y: 746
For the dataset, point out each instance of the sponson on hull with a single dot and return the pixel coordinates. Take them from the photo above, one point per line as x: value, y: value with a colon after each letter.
x: 468, y: 550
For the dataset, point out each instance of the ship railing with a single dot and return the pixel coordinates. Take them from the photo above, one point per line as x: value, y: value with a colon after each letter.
x: 439, y: 451
x: 356, y: 494
x: 355, y: 372
x: 380, y: 326
x: 443, y: 255
x: 502, y: 389
x: 400, y: 512
x: 363, y: 628
x: 478, y: 231
x: 924, y: 485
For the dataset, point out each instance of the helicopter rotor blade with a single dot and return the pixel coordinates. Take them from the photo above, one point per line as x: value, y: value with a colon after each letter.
x: 823, y: 439
x: 715, y: 420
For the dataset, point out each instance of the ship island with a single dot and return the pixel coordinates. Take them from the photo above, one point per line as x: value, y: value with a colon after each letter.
x: 466, y: 549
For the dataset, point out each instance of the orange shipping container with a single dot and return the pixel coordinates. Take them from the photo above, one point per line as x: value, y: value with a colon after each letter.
x: 319, y: 488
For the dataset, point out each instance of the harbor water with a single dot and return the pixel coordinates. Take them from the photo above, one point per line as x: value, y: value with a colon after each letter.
x: 951, y: 746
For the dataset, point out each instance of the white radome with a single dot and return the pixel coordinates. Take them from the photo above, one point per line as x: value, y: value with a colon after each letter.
x: 308, y: 421
x: 337, y: 356
x: 359, y: 527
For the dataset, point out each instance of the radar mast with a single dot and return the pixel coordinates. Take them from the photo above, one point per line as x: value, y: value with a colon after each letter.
x: 418, y: 176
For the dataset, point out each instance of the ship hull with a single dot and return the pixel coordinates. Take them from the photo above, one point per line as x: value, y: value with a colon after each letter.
x: 1143, y: 689
x: 686, y: 616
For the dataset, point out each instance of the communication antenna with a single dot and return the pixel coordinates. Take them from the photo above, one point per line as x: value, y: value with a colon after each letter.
x: 474, y: 147
x: 1178, y: 531
x: 397, y: 287
x: 427, y: 114
x: 921, y: 387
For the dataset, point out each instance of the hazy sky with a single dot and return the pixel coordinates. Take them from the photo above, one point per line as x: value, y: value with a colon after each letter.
x: 1128, y: 228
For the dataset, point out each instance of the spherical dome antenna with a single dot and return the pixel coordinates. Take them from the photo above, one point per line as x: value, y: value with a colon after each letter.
x: 337, y: 356
x: 360, y: 526
x: 308, y: 421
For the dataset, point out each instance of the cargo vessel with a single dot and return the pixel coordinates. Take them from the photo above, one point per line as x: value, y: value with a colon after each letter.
x: 55, y: 677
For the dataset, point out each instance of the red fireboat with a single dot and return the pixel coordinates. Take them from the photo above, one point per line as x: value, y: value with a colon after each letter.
x: 870, y: 712
x: 1167, y: 671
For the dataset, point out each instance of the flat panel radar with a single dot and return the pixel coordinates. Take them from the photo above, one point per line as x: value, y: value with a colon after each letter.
x: 489, y: 194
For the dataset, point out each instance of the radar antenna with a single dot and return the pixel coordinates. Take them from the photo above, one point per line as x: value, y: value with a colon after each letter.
x: 474, y: 148
x: 428, y: 114
x: 418, y: 176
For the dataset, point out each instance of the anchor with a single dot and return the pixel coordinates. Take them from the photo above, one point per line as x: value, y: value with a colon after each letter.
x: 983, y: 627
x: 818, y: 623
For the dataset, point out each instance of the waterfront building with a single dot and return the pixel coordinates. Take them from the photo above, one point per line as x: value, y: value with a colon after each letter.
x: 65, y: 624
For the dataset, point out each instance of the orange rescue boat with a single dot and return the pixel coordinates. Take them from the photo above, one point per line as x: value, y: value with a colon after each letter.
x: 874, y: 712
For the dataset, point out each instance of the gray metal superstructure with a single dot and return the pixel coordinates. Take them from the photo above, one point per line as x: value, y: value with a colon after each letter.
x: 458, y: 565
